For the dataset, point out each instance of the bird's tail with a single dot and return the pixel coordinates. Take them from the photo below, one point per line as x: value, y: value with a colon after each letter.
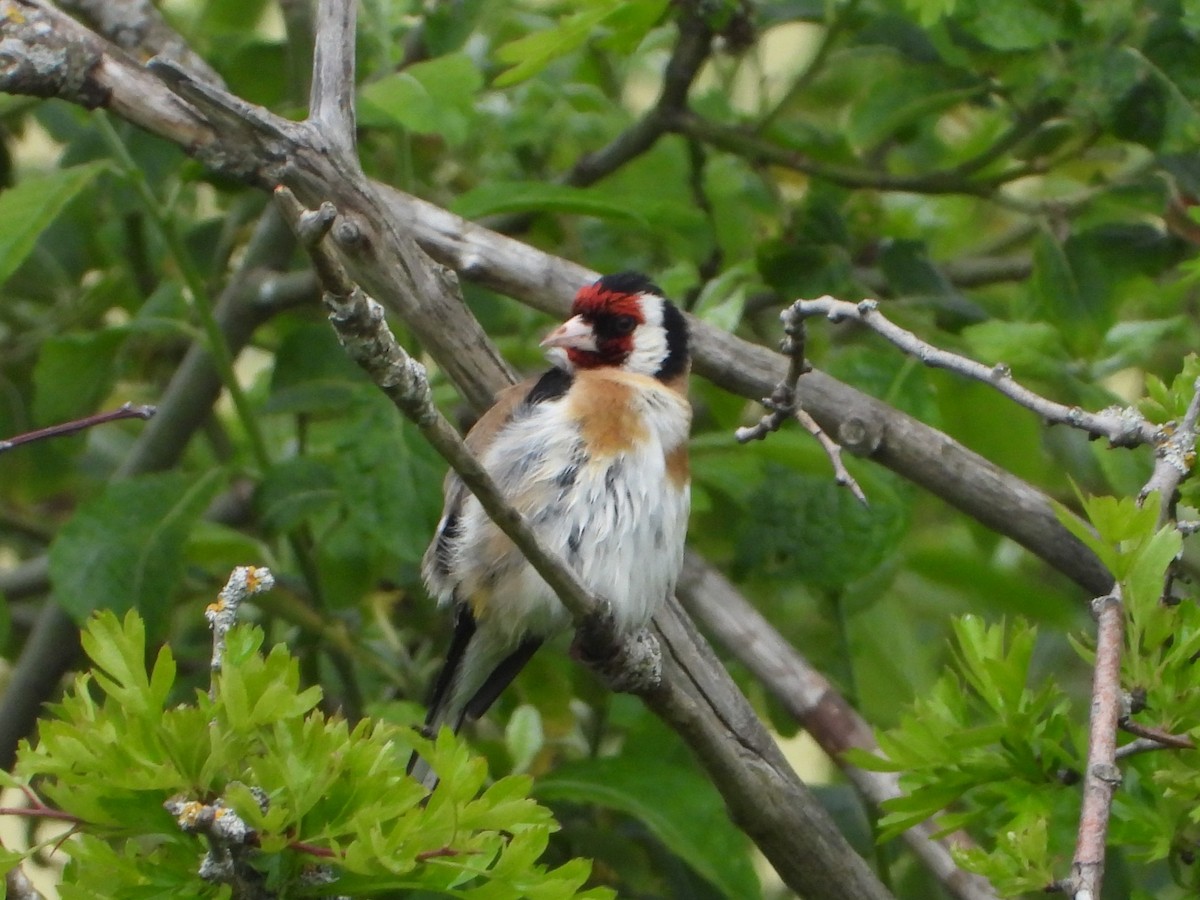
x: 477, y: 669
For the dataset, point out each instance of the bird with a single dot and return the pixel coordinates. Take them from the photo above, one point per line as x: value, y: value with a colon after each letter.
x: 593, y: 452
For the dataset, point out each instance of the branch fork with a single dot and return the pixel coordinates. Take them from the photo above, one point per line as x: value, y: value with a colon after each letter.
x: 784, y: 403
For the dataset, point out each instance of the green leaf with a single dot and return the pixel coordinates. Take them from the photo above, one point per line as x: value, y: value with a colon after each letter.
x: 389, y: 479
x: 498, y: 197
x: 124, y: 549
x: 312, y: 373
x: 679, y: 806
x: 1054, y: 286
x: 523, y: 736
x: 432, y: 97
x: 1016, y: 25
x: 533, y: 52
x: 28, y: 207
x: 1030, y: 349
x: 74, y: 373
x: 810, y: 528
x: 294, y: 491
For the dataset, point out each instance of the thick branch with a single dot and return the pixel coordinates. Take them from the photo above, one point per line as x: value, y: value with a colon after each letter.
x: 810, y: 698
x: 684, y: 685
x: 137, y: 27
x: 331, y: 104
x: 260, y: 148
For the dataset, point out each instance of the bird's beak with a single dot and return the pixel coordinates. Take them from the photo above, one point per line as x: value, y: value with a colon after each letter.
x: 574, y: 333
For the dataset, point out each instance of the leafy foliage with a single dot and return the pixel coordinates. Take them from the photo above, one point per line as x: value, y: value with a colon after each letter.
x: 997, y: 747
x: 316, y: 791
x: 1016, y: 181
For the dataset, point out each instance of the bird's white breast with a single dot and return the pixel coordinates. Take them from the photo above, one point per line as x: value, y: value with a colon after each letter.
x: 590, y: 471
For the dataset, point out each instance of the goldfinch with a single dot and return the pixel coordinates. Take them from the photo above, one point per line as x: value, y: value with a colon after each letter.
x: 594, y: 454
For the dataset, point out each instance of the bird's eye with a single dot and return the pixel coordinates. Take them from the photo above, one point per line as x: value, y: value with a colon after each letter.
x: 624, y: 324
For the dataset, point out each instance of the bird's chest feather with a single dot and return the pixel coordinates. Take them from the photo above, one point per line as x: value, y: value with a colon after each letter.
x: 601, y: 475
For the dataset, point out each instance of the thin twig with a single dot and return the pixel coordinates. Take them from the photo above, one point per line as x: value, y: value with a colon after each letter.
x: 40, y: 811
x: 784, y: 403
x: 834, y: 451
x: 1164, y: 739
x: 244, y: 582
x: 1123, y: 427
x: 1102, y: 774
x: 127, y: 411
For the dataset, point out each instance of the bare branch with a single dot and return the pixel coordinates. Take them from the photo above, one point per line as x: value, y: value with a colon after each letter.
x: 1122, y: 427
x: 1102, y: 775
x: 785, y: 403
x: 674, y: 671
x: 814, y: 702
x: 126, y: 411
x: 691, y: 50
x: 139, y: 28
x: 259, y: 148
x: 244, y: 582
x: 1163, y: 740
x: 331, y: 103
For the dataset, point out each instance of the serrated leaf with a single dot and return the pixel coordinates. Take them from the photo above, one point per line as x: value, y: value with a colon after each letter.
x: 124, y: 549
x: 28, y: 207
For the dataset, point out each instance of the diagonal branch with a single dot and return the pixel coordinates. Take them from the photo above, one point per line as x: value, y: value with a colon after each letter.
x: 814, y: 702
x: 248, y: 143
x: 682, y: 682
x: 692, y: 49
x: 125, y: 411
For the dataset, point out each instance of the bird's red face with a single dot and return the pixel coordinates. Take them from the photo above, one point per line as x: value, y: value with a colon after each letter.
x: 600, y: 331
x: 623, y: 321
